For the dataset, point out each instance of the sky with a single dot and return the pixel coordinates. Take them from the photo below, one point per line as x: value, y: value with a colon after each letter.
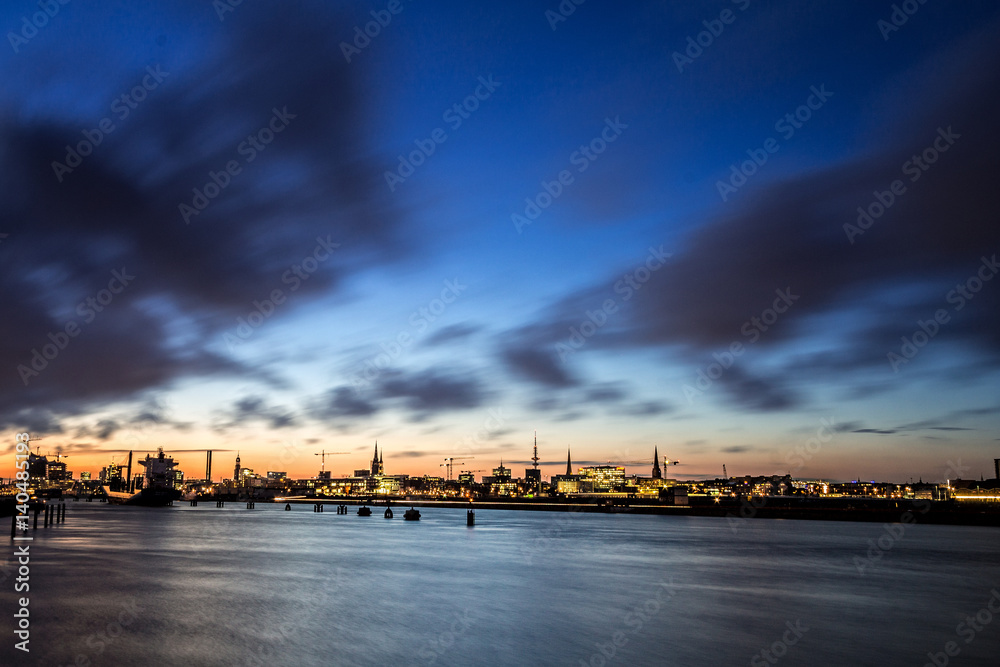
x: 741, y: 233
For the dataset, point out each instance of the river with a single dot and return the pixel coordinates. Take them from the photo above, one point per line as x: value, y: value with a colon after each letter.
x: 236, y: 587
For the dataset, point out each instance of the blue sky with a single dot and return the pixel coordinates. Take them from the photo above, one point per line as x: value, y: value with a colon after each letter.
x: 486, y: 363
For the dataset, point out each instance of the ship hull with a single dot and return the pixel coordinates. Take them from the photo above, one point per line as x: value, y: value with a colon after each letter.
x: 144, y: 498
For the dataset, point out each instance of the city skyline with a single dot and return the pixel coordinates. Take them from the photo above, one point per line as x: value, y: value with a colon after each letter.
x: 626, y: 229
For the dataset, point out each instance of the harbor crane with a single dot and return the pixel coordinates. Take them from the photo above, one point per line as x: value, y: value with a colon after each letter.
x: 450, y: 462
x: 323, y: 454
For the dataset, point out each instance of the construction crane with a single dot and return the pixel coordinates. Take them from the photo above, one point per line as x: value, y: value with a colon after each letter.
x: 668, y: 462
x: 323, y: 454
x: 450, y: 462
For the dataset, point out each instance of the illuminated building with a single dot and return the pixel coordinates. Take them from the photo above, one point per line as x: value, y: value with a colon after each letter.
x: 56, y: 471
x: 500, y: 483
x: 604, y: 478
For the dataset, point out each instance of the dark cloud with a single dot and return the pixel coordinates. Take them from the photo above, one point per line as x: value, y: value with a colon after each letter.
x: 605, y: 394
x: 875, y: 430
x: 648, y: 408
x: 785, y: 242
x: 736, y: 449
x: 252, y: 409
x: 845, y: 427
x: 451, y: 334
x: 118, y: 211
x: 431, y: 390
x: 342, y: 403
x: 757, y: 392
x: 539, y: 365
x: 106, y: 428
x: 423, y: 393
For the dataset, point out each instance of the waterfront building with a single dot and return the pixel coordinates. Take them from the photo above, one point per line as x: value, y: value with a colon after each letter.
x: 603, y: 479
x: 500, y: 482
x: 376, y: 467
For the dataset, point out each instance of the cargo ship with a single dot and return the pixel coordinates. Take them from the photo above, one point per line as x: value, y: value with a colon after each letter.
x: 158, y: 483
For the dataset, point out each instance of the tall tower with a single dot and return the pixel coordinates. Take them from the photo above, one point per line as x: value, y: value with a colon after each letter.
x: 533, y: 475
x: 534, y: 458
x: 236, y: 472
x: 381, y: 468
x: 376, y: 467
x: 569, y: 463
x: 656, y: 465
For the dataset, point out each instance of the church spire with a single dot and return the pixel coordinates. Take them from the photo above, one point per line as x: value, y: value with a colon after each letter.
x: 656, y: 464
x: 569, y: 463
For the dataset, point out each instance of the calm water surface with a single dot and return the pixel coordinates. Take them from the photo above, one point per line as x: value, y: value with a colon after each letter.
x: 208, y: 586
